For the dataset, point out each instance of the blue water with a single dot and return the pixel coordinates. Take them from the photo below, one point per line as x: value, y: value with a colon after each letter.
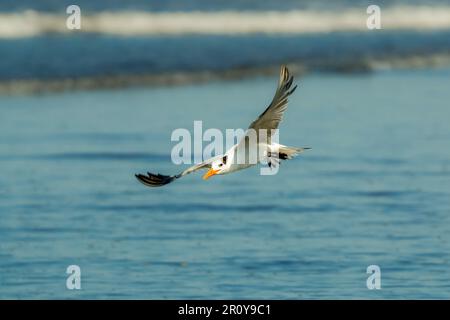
x: 375, y: 189
x: 61, y: 56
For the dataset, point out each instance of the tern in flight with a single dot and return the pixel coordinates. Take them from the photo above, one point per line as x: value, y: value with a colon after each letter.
x: 227, y: 163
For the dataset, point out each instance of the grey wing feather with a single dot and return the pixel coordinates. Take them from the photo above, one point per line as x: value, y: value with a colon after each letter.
x: 272, y: 116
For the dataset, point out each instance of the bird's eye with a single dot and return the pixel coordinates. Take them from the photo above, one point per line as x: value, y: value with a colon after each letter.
x: 221, y: 164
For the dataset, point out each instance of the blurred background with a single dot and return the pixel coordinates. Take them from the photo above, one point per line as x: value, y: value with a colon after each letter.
x: 82, y: 111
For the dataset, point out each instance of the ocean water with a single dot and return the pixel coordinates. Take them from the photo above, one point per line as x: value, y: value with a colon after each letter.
x: 374, y: 190
x: 61, y: 57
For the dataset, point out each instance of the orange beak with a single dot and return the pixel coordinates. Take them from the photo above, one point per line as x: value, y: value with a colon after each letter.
x: 210, y: 173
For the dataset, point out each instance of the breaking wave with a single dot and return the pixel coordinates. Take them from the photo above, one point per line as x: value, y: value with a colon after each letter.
x: 133, y: 23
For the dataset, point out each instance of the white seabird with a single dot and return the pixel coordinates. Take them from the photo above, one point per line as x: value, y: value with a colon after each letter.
x: 229, y: 162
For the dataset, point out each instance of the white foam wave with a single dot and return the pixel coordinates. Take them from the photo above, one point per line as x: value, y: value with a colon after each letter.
x: 128, y: 23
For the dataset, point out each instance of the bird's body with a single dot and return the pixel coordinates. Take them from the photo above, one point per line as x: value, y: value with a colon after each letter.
x: 241, y: 156
x: 254, y: 147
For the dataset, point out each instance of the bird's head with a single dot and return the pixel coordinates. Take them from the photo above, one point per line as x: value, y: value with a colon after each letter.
x: 217, y: 167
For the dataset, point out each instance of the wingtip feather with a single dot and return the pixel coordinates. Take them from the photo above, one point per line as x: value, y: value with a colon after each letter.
x: 154, y: 180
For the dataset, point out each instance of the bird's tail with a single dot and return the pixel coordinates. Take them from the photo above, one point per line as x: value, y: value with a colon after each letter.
x: 286, y: 153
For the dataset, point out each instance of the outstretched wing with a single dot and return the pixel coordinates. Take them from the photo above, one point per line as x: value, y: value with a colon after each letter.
x: 272, y: 116
x: 158, y: 180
